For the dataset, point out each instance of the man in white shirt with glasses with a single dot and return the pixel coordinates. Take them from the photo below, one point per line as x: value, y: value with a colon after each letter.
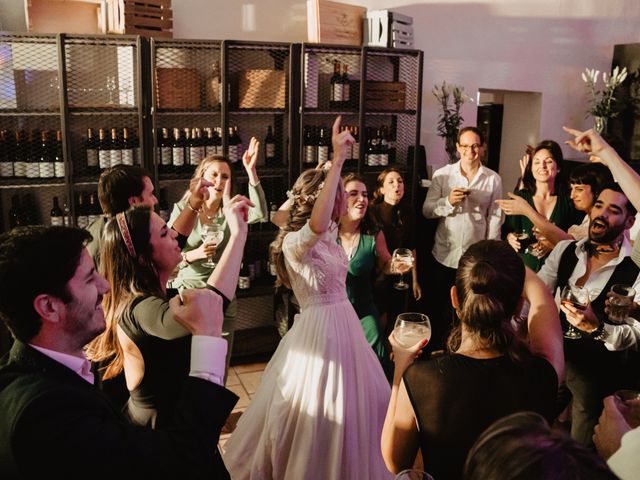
x: 462, y: 196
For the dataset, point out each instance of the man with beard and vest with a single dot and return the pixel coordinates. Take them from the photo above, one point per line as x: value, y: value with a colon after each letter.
x: 604, y: 358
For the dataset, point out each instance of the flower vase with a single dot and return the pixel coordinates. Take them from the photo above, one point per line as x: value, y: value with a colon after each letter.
x: 600, y: 124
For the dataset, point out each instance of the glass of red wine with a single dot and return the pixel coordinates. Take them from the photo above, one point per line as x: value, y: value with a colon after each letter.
x: 578, y: 297
x: 525, y: 240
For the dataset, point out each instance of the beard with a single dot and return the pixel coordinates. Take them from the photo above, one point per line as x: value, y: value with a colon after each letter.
x: 601, y: 232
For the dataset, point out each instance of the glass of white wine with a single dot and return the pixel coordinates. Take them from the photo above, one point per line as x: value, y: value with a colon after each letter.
x: 578, y: 297
x: 402, y: 256
x: 211, y: 233
x: 411, y: 328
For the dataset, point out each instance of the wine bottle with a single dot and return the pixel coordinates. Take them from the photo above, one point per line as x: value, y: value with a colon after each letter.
x: 217, y: 137
x: 383, y: 149
x: 336, y: 86
x: 6, y: 160
x: 127, y: 154
x: 57, y: 216
x: 115, y: 149
x: 91, y: 149
x: 164, y: 145
x: 323, y: 146
x: 346, y: 86
x: 373, y: 159
x: 310, y: 147
x: 270, y: 148
x: 16, y: 218
x: 177, y: 149
x: 93, y: 210
x: 208, y: 143
x: 59, y: 168
x: 104, y: 150
x: 32, y: 159
x: 214, y: 86
x: 234, y: 146
x: 82, y: 217
x: 163, y: 205
x: 20, y: 155
x: 66, y: 215
x: 45, y: 160
x: 196, y: 148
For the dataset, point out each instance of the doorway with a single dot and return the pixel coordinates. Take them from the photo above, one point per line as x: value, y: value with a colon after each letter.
x: 510, y: 120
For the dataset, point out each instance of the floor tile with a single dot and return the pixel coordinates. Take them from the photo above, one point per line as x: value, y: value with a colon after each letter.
x: 250, y: 381
x: 232, y: 378
x: 243, y: 401
x: 250, y: 367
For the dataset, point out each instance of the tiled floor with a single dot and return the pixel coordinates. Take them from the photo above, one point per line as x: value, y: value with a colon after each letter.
x: 243, y: 380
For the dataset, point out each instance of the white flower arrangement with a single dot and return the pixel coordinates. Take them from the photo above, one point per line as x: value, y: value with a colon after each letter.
x: 602, y: 103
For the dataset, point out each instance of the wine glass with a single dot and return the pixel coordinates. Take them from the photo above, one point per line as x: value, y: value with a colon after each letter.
x: 411, y: 328
x: 578, y: 297
x: 402, y: 255
x: 413, y: 475
x: 537, y: 250
x: 524, y: 239
x: 211, y: 233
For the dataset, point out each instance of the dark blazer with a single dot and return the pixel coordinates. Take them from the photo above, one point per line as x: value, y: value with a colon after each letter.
x: 55, y: 423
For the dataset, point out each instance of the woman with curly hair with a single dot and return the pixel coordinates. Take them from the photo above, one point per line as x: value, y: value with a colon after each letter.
x: 319, y: 409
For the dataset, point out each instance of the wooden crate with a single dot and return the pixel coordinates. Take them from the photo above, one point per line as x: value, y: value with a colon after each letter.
x: 385, y: 95
x: 153, y: 18
x: 178, y: 88
x: 334, y: 22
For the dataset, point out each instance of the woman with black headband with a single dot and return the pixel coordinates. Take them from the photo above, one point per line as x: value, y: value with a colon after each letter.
x: 142, y: 337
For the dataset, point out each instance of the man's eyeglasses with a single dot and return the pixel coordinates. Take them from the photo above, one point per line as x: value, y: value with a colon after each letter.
x: 475, y: 146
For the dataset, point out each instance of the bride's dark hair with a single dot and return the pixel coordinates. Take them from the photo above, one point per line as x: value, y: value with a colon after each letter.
x: 303, y: 193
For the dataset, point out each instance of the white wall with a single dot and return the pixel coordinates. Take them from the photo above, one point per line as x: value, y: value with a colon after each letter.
x: 526, y: 45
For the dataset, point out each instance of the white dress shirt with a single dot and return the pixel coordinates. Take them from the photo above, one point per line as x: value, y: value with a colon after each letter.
x: 625, y: 462
x: 207, y: 359
x: 619, y: 337
x: 476, y: 218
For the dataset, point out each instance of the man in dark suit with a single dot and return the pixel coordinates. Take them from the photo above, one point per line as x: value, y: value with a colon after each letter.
x: 53, y: 420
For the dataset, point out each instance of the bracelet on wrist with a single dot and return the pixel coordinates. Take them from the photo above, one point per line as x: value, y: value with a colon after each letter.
x: 599, y: 333
x: 196, y: 210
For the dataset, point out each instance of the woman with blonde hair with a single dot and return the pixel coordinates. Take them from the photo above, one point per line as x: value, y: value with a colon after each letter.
x: 319, y: 409
x: 218, y: 171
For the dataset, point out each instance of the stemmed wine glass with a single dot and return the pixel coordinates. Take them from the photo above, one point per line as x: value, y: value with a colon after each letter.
x: 402, y: 255
x: 524, y: 239
x: 411, y: 328
x: 413, y: 475
x: 578, y: 297
x: 211, y: 233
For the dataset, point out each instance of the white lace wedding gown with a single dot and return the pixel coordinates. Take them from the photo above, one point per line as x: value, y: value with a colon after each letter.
x: 319, y: 410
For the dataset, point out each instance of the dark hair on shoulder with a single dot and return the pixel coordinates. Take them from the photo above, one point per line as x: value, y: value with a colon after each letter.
x: 367, y: 224
x: 528, y: 181
x: 489, y: 283
x: 593, y: 174
x: 36, y: 260
x: 521, y: 446
x: 117, y: 184
x: 129, y: 278
x: 631, y: 210
x: 475, y: 130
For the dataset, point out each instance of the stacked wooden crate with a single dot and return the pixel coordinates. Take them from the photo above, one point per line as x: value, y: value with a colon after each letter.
x: 153, y: 18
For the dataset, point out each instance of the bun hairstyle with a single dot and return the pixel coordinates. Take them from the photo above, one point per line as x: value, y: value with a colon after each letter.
x: 303, y: 194
x: 489, y: 284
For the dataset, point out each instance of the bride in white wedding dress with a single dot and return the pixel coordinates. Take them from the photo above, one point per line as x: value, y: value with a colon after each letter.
x: 319, y: 410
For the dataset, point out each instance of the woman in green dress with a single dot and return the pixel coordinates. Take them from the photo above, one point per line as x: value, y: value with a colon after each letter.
x: 544, y: 207
x: 368, y: 255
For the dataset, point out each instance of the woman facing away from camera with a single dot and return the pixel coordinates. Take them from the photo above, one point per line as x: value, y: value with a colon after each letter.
x: 488, y: 371
x: 319, y: 410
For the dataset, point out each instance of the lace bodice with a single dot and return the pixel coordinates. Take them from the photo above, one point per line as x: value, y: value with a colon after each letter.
x: 316, y: 264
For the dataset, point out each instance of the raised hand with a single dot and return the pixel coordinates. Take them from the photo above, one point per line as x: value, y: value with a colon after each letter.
x: 514, y: 205
x: 250, y: 156
x: 199, y: 192
x: 588, y: 141
x: 236, y: 210
x: 341, y: 141
x: 199, y: 311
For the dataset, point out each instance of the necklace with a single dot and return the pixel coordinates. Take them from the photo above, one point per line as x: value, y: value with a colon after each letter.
x: 217, y: 214
x: 351, y: 248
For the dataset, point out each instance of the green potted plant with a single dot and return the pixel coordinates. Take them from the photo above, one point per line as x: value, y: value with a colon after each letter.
x: 602, y: 103
x: 449, y: 120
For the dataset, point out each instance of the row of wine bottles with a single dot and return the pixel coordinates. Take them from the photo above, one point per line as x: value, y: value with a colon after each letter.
x: 379, y: 149
x: 111, y: 147
x: 31, y: 154
x: 24, y: 212
x: 188, y: 146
